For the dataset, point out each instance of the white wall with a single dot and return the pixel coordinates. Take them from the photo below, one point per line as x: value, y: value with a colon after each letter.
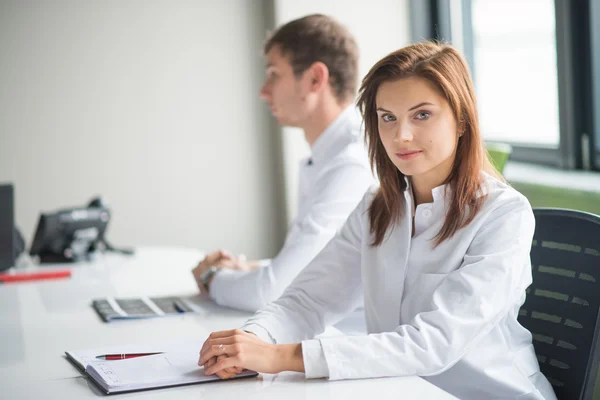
x: 379, y: 26
x: 154, y: 105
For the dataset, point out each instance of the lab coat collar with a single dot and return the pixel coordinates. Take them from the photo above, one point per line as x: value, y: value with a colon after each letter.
x: 441, y: 194
x: 337, y: 135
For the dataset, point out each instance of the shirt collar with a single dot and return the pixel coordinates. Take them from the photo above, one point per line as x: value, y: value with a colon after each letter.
x: 343, y: 130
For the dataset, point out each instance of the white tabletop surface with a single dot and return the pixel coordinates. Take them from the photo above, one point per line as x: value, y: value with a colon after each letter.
x: 43, y: 319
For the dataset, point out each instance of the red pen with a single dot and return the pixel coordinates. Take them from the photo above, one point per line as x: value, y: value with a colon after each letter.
x: 34, y: 276
x: 111, y: 357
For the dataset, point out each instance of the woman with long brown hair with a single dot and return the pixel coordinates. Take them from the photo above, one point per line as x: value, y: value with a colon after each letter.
x: 438, y: 253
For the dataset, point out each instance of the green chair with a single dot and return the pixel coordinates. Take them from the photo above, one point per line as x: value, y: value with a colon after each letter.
x: 498, y: 154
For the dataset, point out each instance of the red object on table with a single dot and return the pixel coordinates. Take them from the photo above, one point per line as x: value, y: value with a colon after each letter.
x: 34, y: 276
x: 110, y: 357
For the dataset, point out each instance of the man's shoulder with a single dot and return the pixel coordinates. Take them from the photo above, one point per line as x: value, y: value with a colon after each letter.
x: 353, y: 154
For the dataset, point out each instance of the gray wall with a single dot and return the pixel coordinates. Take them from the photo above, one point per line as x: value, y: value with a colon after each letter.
x: 152, y: 104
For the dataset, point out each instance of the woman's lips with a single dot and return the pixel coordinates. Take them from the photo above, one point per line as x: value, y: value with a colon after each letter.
x: 408, y: 154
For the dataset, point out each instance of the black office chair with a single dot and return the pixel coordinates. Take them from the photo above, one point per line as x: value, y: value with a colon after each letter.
x: 562, y: 305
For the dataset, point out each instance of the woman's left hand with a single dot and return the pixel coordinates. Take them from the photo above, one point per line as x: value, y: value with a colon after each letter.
x: 225, y: 373
x: 243, y: 350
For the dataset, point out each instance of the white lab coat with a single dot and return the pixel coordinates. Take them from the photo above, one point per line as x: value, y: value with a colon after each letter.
x: 330, y: 187
x: 447, y: 314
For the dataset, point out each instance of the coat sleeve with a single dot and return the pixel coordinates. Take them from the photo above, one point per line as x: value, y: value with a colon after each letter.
x: 323, y: 293
x: 339, y: 190
x: 465, y: 306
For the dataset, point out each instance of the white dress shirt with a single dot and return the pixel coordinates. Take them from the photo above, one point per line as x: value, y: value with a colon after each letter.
x: 447, y: 314
x: 331, y: 183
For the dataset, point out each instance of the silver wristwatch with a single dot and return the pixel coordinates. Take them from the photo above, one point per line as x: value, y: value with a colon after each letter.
x: 206, y: 275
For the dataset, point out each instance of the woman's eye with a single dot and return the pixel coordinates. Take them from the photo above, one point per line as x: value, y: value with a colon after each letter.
x: 423, y: 115
x: 388, y: 118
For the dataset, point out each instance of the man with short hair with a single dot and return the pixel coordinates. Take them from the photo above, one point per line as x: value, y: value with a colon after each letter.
x: 312, y: 74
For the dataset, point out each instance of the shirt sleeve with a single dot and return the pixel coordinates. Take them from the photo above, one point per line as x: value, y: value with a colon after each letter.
x: 338, y: 191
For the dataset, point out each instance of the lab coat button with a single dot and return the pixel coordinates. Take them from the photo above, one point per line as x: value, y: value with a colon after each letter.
x: 427, y: 213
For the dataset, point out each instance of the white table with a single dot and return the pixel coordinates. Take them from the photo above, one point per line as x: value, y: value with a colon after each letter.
x: 40, y: 320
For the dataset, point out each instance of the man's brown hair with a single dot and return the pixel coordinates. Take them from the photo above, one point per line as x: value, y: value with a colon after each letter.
x: 316, y: 38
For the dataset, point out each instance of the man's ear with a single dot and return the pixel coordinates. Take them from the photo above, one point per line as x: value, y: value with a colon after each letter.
x: 319, y: 76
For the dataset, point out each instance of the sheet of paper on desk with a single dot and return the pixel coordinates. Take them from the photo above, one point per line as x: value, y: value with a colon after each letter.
x: 161, y: 370
x: 178, y: 365
x: 85, y: 356
x: 156, y: 368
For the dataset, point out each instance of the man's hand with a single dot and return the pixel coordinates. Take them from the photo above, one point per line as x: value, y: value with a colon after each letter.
x: 222, y: 259
x: 215, y: 258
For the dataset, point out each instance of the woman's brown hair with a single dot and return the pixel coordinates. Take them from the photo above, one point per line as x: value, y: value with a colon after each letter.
x: 443, y: 66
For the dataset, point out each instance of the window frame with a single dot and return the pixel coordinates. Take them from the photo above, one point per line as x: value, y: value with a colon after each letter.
x: 577, y: 33
x: 594, y: 137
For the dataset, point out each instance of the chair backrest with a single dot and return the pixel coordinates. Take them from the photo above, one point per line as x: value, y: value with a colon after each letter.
x: 561, y: 309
